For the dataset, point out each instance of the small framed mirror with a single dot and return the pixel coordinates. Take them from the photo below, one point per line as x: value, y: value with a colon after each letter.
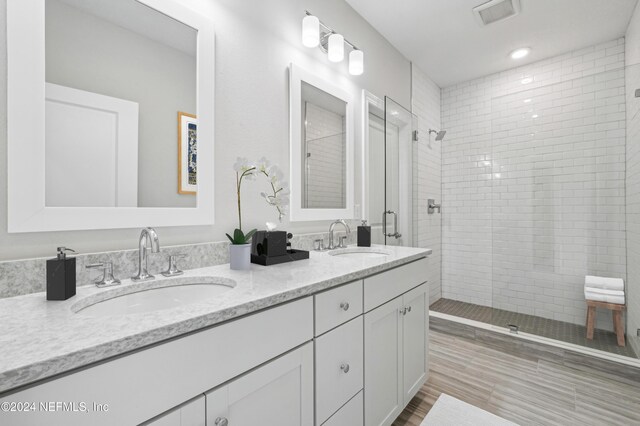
x: 322, y: 148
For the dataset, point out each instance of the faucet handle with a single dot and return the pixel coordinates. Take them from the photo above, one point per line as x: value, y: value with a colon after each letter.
x: 107, y: 279
x: 342, y: 243
x: 173, y: 268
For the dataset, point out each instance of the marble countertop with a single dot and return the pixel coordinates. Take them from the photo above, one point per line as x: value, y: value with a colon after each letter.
x: 40, y: 339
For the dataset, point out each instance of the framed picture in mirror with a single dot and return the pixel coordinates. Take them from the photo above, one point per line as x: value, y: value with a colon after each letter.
x: 187, y: 153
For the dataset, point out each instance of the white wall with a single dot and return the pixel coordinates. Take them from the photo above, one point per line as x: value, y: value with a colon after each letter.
x: 632, y: 75
x: 425, y: 102
x: 255, y: 43
x: 534, y: 204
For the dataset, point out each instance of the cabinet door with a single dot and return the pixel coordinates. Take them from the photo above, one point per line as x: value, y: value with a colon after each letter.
x: 278, y: 393
x: 414, y: 341
x: 190, y: 414
x: 383, y: 396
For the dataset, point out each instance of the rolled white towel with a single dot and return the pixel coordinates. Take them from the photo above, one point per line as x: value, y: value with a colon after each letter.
x: 607, y: 298
x: 604, y: 292
x: 604, y: 283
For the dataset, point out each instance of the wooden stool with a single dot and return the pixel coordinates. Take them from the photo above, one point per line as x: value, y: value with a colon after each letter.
x: 616, y: 310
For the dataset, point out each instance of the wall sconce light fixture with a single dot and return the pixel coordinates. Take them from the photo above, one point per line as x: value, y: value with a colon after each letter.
x: 315, y: 33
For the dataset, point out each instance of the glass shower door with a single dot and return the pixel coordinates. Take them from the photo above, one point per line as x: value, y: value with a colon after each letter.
x: 399, y: 126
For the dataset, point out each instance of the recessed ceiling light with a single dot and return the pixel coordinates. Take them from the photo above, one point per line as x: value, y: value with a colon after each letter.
x: 535, y: 116
x: 520, y: 53
x: 527, y: 80
x: 526, y: 101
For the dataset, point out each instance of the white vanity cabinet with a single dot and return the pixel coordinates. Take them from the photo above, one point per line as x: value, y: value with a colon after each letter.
x: 371, y: 347
x: 277, y: 393
x: 395, y: 342
x: 352, y: 355
x: 145, y: 384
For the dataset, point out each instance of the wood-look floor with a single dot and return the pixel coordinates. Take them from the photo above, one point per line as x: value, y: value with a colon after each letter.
x: 524, y: 389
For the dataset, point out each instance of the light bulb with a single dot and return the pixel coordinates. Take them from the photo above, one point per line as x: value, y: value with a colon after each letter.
x: 356, y: 62
x: 336, y: 48
x: 310, y: 31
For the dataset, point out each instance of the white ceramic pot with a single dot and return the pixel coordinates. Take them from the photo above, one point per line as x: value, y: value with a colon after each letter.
x: 240, y: 256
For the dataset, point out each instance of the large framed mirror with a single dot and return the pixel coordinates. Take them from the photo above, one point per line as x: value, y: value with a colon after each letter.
x: 110, y: 115
x: 322, y: 148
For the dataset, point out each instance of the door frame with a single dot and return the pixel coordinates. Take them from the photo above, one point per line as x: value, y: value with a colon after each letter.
x: 370, y: 104
x: 373, y: 104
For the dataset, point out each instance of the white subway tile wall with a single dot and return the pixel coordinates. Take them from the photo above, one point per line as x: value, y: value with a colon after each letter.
x: 326, y: 150
x: 533, y: 173
x: 427, y: 171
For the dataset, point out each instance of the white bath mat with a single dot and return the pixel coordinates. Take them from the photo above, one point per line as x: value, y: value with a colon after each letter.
x: 448, y: 411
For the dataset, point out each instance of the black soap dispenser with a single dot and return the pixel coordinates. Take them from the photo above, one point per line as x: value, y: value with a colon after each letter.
x: 364, y: 235
x: 61, y: 276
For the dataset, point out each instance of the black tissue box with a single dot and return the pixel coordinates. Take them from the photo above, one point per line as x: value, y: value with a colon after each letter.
x: 269, y: 243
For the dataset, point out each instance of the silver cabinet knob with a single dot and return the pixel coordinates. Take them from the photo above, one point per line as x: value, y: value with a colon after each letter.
x: 403, y: 311
x: 344, y: 368
x: 344, y: 306
x: 408, y: 308
x: 221, y: 421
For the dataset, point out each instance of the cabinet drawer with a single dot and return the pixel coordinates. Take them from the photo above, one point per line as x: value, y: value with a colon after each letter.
x: 337, y: 306
x: 191, y: 413
x: 339, y: 367
x: 381, y: 288
x: 352, y: 414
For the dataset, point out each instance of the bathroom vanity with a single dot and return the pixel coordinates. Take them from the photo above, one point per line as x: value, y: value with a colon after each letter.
x: 337, y: 339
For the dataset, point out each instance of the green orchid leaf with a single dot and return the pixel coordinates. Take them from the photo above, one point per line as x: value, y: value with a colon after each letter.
x: 247, y: 237
x: 230, y: 238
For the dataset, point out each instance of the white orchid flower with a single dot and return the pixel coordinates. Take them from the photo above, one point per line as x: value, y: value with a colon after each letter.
x: 263, y: 165
x: 242, y: 165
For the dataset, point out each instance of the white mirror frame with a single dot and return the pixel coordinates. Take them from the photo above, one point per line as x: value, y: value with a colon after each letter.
x: 297, y: 75
x: 26, y: 131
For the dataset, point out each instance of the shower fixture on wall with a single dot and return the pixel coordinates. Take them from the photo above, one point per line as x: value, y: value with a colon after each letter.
x: 439, y: 134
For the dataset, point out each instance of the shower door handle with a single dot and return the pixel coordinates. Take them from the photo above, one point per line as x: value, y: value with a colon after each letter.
x: 395, y: 233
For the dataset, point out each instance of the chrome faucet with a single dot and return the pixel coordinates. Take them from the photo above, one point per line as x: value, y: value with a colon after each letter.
x: 147, y: 236
x: 337, y: 222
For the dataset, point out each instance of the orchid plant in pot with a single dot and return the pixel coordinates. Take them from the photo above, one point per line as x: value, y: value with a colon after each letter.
x: 278, y: 197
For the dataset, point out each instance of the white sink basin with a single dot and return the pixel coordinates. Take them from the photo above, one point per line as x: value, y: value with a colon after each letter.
x: 361, y: 252
x: 153, y: 296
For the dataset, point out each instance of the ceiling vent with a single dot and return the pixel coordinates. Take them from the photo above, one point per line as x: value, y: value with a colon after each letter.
x: 496, y: 10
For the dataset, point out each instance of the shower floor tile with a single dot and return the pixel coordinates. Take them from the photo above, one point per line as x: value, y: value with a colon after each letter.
x: 553, y: 329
